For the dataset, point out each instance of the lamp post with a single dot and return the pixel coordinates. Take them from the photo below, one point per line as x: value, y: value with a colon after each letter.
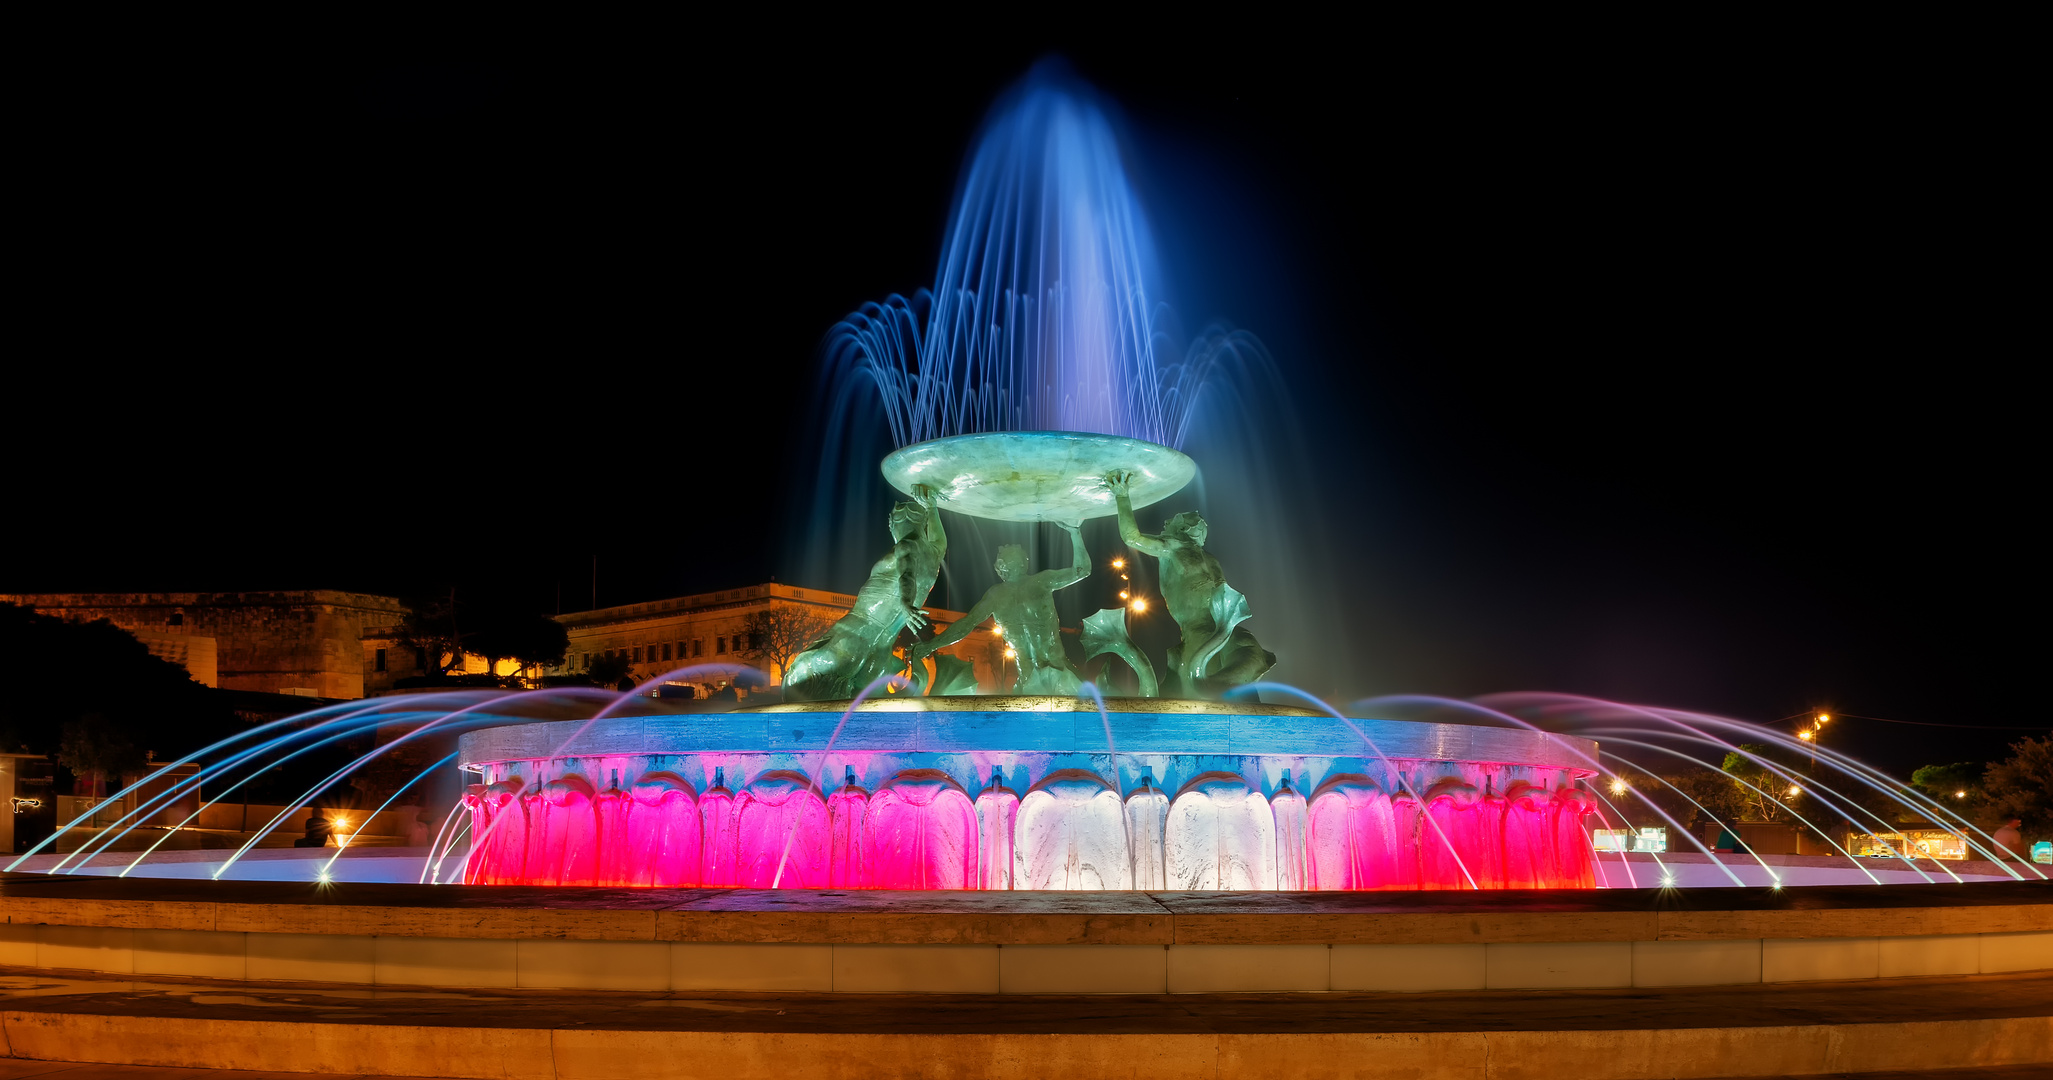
x: 1810, y: 736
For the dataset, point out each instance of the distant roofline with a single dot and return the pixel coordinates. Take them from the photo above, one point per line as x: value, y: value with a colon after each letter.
x: 744, y: 596
x: 332, y: 597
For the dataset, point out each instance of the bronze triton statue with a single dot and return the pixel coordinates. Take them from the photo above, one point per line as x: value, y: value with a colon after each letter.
x: 858, y: 648
x: 1216, y: 651
x: 1024, y: 608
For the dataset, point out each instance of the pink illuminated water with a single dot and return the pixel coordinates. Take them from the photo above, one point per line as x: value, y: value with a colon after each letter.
x: 848, y: 860
x: 921, y: 830
x: 781, y: 817
x: 1352, y: 836
x: 716, y: 832
x: 661, y: 832
x: 922, y: 834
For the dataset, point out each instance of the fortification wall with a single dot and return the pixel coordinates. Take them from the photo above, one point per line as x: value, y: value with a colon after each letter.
x: 306, y: 642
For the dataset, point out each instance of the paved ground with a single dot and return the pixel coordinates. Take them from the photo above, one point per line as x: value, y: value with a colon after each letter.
x: 1866, y: 1002
x: 1811, y: 898
x: 11, y: 1069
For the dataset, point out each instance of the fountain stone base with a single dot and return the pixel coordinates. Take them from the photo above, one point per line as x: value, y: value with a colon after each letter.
x: 1026, y: 793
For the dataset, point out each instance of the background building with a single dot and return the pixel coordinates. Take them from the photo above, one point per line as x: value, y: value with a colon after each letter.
x: 340, y: 645
x: 307, y: 644
x: 660, y: 636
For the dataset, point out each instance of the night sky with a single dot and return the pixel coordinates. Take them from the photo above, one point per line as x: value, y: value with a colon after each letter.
x: 1686, y: 380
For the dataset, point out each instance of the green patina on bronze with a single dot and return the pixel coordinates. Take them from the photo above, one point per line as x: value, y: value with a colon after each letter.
x: 1216, y: 653
x: 1024, y: 606
x: 859, y: 647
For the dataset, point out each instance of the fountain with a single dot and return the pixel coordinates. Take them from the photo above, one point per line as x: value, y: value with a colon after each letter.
x: 1031, y: 388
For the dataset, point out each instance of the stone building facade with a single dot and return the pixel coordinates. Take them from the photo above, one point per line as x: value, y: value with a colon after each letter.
x: 340, y: 645
x: 307, y: 643
x: 661, y: 636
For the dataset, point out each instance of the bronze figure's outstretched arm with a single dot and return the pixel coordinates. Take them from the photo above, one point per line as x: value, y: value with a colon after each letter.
x: 908, y: 582
x: 955, y: 633
x: 906, y: 551
x: 1080, y: 564
x: 936, y: 535
x: 1121, y: 484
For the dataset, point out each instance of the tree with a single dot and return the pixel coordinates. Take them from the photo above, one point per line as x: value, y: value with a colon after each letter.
x: 442, y: 631
x: 96, y: 746
x: 1761, y: 779
x: 430, y: 631
x: 2021, y: 786
x: 778, y: 633
x: 1684, y: 795
x: 97, y: 701
x: 505, y: 632
x: 1957, y: 787
x: 611, y: 671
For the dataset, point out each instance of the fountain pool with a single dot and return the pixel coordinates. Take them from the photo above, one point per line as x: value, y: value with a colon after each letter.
x: 1026, y: 793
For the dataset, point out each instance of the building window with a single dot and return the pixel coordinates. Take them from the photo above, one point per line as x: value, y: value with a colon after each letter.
x: 698, y: 646
x: 588, y: 661
x: 720, y: 645
x: 666, y: 651
x: 682, y: 651
x: 178, y: 619
x: 637, y: 654
x: 378, y: 661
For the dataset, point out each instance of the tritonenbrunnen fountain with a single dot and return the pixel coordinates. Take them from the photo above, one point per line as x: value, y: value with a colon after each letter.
x: 1034, y: 389
x: 1101, y: 778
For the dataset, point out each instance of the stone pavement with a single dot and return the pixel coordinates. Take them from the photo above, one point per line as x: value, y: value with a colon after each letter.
x: 17, y: 1069
x: 1894, y: 1001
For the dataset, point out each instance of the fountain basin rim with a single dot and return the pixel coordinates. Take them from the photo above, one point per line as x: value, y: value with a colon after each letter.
x: 797, y: 738
x: 1033, y: 703
x: 1037, y: 475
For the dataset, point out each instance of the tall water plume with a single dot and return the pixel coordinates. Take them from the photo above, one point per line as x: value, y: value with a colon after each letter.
x: 1050, y: 311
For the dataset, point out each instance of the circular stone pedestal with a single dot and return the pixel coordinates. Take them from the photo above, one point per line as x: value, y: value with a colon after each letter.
x: 1036, y: 793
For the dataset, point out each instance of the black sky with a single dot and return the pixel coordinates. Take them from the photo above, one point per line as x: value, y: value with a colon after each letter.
x: 1690, y: 378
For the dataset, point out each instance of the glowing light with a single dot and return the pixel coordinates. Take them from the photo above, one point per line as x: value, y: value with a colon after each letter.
x: 997, y: 628
x: 1119, y: 564
x: 1011, y: 653
x: 1960, y: 794
x: 1794, y: 790
x: 1618, y: 786
x: 1777, y: 887
x: 1122, y: 594
x: 325, y: 878
x: 1823, y: 717
x: 1805, y: 735
x: 1668, y: 880
x: 1139, y: 605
